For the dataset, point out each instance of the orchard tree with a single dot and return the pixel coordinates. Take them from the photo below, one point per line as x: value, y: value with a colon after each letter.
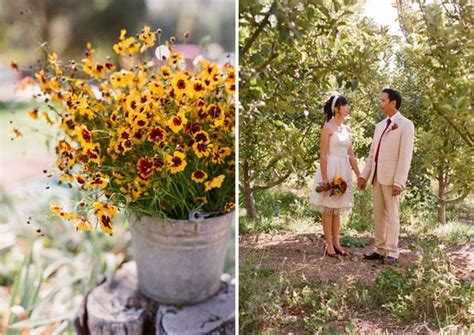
x: 438, y: 57
x: 292, y: 54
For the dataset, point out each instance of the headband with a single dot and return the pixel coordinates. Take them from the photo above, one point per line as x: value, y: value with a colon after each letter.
x: 334, y: 103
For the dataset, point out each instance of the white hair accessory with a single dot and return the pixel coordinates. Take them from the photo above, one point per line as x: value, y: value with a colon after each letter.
x: 334, y: 104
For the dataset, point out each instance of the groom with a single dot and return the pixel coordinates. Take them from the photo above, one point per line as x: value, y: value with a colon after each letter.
x: 387, y: 170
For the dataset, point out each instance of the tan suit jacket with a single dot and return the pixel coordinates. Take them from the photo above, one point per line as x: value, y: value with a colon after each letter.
x: 395, y: 152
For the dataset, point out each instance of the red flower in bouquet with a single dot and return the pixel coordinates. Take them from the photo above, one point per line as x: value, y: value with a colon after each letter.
x: 337, y: 186
x: 323, y: 187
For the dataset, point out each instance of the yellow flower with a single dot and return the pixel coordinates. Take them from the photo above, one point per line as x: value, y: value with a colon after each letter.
x: 66, y: 177
x: 177, y: 122
x: 33, y: 113
x: 99, y: 180
x: 214, y: 183
x: 176, y: 58
x: 229, y: 206
x: 93, y: 153
x: 84, y: 136
x: 166, y: 72
x: 201, y: 149
x: 199, y: 176
x: 61, y: 213
x: 230, y: 73
x: 126, y: 45
x: 82, y: 224
x: 157, y: 135
x: 182, y: 85
x: 41, y: 77
x: 220, y: 154
x: 48, y: 120
x: 230, y: 88
x: 209, y: 70
x: 156, y: 88
x: 201, y: 137
x: 105, y: 212
x: 177, y: 162
x: 55, y: 208
x: 53, y: 60
x: 201, y: 200
x: 145, y: 167
x: 93, y: 70
x: 122, y: 78
x: 198, y: 88
x: 147, y: 37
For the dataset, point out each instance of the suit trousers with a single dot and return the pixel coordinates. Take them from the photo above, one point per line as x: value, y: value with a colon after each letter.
x: 387, y: 219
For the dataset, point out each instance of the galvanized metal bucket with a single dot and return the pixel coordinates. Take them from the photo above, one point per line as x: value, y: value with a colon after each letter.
x: 180, y: 262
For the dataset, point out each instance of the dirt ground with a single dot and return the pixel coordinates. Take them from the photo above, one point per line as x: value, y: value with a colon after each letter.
x: 299, y: 256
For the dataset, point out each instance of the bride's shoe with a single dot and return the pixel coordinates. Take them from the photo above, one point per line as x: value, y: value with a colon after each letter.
x: 328, y: 253
x: 341, y: 252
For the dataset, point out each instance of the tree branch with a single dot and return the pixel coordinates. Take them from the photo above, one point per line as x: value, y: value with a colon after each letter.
x: 273, y: 55
x: 458, y: 199
x: 258, y: 31
x: 464, y: 136
x: 272, y: 184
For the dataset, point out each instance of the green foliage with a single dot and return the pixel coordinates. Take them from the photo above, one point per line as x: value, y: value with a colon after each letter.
x: 427, y: 291
x: 354, y: 241
x: 291, y: 56
x: 432, y: 72
x: 360, y: 218
x: 259, y: 295
x: 279, y: 210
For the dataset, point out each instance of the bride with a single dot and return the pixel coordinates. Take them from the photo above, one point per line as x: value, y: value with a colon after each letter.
x: 336, y: 160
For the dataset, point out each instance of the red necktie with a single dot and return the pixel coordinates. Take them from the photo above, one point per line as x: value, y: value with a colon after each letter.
x: 378, y: 147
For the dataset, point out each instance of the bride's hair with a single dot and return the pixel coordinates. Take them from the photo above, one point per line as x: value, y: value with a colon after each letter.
x: 341, y: 101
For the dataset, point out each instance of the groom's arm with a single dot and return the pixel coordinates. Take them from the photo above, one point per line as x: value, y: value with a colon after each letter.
x: 405, y: 156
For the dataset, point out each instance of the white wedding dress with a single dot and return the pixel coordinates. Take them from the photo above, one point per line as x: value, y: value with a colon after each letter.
x: 337, y: 166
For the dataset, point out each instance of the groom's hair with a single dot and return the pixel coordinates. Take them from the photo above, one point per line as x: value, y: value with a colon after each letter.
x: 394, y: 94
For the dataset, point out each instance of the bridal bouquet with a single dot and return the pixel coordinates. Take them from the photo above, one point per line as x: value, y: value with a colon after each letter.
x: 152, y: 137
x: 337, y: 186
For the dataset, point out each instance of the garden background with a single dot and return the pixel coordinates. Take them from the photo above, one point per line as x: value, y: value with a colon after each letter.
x: 293, y: 56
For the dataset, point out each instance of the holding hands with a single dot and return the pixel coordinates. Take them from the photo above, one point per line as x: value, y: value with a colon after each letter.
x: 362, y: 183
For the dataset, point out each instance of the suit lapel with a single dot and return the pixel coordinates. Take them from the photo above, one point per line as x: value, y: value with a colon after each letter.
x: 395, y: 120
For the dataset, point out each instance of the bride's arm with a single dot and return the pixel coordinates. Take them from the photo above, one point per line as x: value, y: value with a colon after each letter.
x: 353, y: 161
x: 323, y: 153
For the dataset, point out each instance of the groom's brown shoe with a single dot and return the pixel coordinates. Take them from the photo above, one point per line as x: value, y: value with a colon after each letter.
x: 373, y: 256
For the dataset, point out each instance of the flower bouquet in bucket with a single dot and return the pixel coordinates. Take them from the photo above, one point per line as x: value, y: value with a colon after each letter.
x: 337, y: 186
x: 155, y: 139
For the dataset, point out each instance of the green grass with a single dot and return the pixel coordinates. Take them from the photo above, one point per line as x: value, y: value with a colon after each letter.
x: 425, y: 292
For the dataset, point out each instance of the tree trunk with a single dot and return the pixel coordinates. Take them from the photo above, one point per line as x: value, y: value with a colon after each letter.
x: 441, y: 199
x: 117, y: 307
x: 442, y: 212
x: 248, y: 193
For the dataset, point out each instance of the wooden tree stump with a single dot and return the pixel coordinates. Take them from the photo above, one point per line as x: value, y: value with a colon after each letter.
x: 117, y: 307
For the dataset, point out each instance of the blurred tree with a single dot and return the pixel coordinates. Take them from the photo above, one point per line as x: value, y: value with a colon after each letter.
x: 67, y: 25
x: 435, y: 68
x: 292, y: 54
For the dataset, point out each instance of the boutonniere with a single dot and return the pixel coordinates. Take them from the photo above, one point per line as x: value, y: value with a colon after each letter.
x: 394, y: 126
